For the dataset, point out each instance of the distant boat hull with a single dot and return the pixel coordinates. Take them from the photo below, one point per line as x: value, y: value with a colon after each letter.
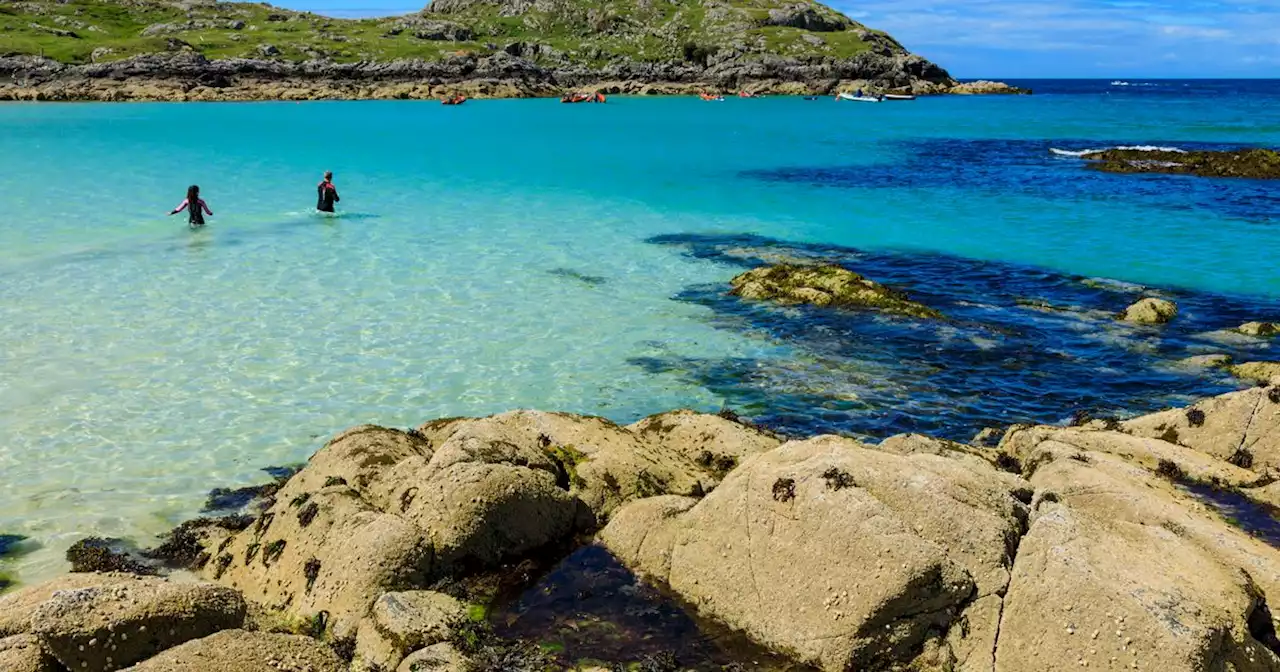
x: 857, y: 99
x: 898, y: 96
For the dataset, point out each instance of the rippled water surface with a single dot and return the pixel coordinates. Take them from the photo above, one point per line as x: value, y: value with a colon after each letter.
x: 528, y: 254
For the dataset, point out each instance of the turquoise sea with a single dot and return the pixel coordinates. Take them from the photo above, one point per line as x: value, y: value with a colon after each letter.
x: 506, y: 254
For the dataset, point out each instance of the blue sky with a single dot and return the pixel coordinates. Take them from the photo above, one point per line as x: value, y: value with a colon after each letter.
x: 1046, y: 38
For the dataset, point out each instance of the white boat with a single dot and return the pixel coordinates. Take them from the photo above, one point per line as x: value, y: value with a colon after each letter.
x: 899, y: 96
x: 860, y: 99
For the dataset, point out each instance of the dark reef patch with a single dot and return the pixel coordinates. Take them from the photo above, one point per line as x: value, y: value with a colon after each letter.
x: 1030, y: 168
x: 570, y: 274
x: 14, y: 545
x: 996, y: 362
x: 252, y: 498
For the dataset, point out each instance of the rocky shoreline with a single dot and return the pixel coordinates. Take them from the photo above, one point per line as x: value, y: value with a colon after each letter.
x: 1030, y: 548
x: 188, y: 76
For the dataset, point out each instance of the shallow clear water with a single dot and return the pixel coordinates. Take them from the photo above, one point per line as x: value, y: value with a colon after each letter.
x: 530, y: 254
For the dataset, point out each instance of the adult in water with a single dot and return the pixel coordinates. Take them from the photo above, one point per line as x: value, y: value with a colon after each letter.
x: 327, y: 193
x: 195, y: 207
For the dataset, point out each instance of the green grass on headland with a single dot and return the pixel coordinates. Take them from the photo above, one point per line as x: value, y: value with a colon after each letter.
x: 592, y: 32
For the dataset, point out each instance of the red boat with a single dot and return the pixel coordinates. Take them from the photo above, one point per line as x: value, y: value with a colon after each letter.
x: 456, y: 100
x: 582, y: 98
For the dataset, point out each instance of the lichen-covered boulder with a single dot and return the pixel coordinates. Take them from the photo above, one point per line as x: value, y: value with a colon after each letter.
x: 401, y: 623
x: 1241, y: 428
x: 1121, y: 570
x: 825, y: 285
x: 25, y: 653
x: 1150, y: 311
x: 246, y: 652
x: 110, y: 626
x: 1258, y: 372
x: 844, y: 556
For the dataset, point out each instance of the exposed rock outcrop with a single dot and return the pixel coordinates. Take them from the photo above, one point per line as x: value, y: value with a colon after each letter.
x: 1257, y: 164
x: 114, y: 625
x: 1259, y: 329
x: 825, y: 285
x: 1241, y: 428
x: 1060, y: 548
x: 1258, y: 372
x: 378, y: 510
x: 1150, y: 311
x: 985, y: 87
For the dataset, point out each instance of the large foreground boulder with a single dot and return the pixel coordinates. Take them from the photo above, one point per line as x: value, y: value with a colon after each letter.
x: 1121, y: 570
x: 240, y: 651
x: 825, y: 285
x: 845, y: 556
x: 107, y: 627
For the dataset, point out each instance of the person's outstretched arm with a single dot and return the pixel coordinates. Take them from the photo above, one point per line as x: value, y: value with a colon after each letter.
x: 182, y: 206
x: 206, y: 207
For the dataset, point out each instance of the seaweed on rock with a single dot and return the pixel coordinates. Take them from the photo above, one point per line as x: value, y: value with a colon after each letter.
x: 96, y: 554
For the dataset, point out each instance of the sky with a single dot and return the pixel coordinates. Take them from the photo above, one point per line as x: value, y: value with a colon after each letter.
x: 1041, y: 38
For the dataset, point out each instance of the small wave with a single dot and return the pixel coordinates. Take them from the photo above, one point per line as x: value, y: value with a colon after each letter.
x: 1131, y: 148
x: 1124, y: 83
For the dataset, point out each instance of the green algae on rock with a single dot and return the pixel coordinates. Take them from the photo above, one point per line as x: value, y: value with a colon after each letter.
x: 825, y: 285
x: 1260, y: 372
x: 1259, y: 329
x: 1258, y: 164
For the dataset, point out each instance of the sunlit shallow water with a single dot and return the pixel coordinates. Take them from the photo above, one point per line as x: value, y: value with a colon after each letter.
x: 527, y: 254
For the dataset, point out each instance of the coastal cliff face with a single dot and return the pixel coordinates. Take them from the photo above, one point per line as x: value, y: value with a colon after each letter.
x: 203, y: 50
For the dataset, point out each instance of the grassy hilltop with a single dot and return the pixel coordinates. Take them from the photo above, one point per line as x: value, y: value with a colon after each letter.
x: 588, y: 32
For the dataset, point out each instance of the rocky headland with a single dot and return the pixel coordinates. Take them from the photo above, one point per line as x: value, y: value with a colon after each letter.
x: 222, y: 51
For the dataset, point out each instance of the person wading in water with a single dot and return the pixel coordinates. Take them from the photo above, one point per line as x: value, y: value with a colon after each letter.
x: 327, y: 193
x: 195, y: 206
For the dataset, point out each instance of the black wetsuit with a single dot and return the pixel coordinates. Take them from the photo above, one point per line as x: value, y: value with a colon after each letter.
x: 327, y: 195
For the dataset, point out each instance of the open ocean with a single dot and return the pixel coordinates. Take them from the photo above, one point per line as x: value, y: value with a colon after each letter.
x: 525, y: 253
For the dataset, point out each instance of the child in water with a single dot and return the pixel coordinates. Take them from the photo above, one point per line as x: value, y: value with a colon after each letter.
x: 195, y: 207
x: 327, y: 193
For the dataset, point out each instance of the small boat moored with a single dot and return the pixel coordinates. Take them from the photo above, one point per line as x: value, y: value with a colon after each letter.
x: 859, y: 99
x: 899, y: 96
x: 582, y: 98
x: 707, y: 96
x: 455, y: 100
